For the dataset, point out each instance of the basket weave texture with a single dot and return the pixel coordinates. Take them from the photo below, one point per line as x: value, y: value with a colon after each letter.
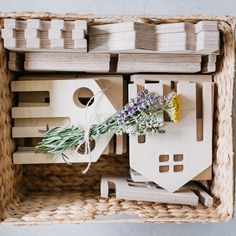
x: 38, y: 194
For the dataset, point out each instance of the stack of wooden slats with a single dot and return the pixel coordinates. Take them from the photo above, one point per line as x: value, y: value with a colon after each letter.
x: 202, y: 37
x: 63, y: 61
x: 36, y: 34
x: 68, y: 35
x: 207, y: 37
x: 175, y: 37
x: 178, y: 63
x: 169, y: 63
x: 13, y: 34
x: 128, y: 36
x: 16, y: 61
x: 125, y: 188
x: 209, y: 63
x: 105, y: 62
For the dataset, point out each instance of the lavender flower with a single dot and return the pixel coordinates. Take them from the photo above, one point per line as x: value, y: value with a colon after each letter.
x: 139, y: 116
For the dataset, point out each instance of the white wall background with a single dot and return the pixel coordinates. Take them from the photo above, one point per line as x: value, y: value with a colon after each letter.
x: 109, y: 7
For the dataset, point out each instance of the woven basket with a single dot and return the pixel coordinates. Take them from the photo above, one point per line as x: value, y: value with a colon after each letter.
x: 37, y: 194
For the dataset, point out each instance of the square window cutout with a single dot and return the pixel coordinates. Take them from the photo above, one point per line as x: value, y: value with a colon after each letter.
x: 163, y: 169
x: 178, y: 168
x: 163, y: 158
x: 178, y: 157
x: 141, y: 138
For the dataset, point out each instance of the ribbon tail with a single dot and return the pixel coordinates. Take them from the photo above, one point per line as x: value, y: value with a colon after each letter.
x: 87, y: 168
x: 87, y: 151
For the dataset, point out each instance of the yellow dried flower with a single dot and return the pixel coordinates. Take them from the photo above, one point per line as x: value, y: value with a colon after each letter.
x: 173, y: 107
x: 175, y: 101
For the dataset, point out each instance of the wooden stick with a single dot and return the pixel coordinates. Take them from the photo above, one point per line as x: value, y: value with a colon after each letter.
x: 125, y: 189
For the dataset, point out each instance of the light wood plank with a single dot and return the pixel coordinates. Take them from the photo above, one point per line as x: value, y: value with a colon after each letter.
x: 129, y: 190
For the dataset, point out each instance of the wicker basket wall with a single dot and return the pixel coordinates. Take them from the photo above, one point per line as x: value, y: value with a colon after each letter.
x: 37, y: 194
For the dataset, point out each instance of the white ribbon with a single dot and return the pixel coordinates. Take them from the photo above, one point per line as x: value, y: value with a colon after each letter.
x: 86, y: 142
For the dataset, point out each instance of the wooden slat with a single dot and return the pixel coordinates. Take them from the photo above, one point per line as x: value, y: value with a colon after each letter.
x: 128, y: 190
x: 141, y: 79
x: 67, y: 62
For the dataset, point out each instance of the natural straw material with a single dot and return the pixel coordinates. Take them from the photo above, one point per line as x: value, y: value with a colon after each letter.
x: 38, y: 194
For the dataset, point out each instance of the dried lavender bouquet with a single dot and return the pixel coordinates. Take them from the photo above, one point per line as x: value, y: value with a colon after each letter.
x: 138, y: 117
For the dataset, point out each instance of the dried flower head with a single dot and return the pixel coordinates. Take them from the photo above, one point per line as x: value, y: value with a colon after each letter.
x: 172, y: 106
